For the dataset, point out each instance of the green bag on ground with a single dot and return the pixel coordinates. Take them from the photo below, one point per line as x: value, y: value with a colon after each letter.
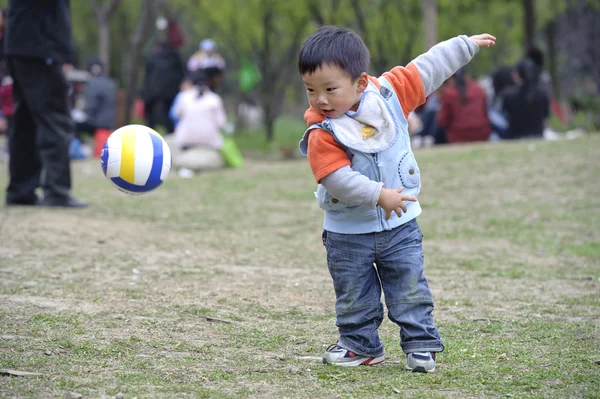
x: 249, y: 76
x: 231, y: 153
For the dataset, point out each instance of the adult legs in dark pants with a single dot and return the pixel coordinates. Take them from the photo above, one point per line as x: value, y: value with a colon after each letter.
x: 149, y: 113
x: 157, y: 113
x: 40, y: 136
x: 166, y: 107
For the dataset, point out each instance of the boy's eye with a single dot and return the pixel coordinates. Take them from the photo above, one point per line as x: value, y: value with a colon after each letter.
x: 330, y: 89
x: 309, y: 90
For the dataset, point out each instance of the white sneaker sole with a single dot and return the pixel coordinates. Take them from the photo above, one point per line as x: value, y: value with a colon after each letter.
x: 420, y: 369
x: 417, y: 365
x: 373, y: 361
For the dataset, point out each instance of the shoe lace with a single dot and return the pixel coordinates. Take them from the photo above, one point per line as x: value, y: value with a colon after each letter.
x: 333, y: 346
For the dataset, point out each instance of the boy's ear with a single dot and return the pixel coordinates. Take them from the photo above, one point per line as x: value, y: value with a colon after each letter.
x: 363, y: 82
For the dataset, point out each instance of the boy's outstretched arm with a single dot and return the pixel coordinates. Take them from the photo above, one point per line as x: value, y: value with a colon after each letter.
x: 447, y: 57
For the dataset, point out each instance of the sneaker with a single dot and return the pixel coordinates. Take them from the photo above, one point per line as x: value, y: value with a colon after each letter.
x: 66, y: 202
x: 339, y: 356
x: 421, y: 362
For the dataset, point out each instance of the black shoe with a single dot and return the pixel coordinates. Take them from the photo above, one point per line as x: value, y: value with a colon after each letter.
x: 68, y: 202
x: 28, y: 202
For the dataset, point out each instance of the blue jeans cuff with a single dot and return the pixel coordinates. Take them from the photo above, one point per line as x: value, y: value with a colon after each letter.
x: 422, y: 346
x: 361, y: 350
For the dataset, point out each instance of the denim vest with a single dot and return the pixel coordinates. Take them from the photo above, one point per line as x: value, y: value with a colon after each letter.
x: 393, y: 163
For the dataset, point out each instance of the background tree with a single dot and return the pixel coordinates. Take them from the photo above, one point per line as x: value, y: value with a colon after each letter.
x: 269, y: 32
x: 104, y: 12
x: 430, y: 23
x: 529, y: 21
x: 133, y: 61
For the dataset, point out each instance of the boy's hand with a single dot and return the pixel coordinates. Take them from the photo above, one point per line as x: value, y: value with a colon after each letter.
x: 484, y: 40
x: 391, y: 200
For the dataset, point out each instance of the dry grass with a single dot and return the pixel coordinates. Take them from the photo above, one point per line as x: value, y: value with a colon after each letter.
x: 218, y: 287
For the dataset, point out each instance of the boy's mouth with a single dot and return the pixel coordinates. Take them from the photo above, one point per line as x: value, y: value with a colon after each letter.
x: 328, y: 112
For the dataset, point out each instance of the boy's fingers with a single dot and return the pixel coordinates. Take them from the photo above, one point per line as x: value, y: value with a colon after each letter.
x: 409, y: 198
x: 388, y: 214
x: 402, y: 206
x: 399, y: 189
x: 398, y: 212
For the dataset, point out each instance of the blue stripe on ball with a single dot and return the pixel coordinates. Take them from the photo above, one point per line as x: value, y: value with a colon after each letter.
x: 104, y: 157
x: 157, y: 164
x: 130, y: 187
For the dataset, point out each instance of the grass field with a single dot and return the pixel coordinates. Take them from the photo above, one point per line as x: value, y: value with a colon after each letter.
x: 217, y: 286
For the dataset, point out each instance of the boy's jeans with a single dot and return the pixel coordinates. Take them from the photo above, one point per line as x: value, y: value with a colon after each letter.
x: 398, y: 255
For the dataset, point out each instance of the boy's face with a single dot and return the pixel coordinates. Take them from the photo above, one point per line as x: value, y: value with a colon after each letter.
x: 332, y: 92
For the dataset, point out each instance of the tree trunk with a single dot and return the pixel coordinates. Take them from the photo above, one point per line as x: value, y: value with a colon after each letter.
x: 529, y: 23
x: 269, y: 126
x: 103, y: 17
x: 552, y: 61
x: 430, y: 24
x: 104, y: 42
x: 142, y: 32
x: 267, y: 71
x: 274, y: 65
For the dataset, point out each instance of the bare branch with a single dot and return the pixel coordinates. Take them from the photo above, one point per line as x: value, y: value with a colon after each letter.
x: 111, y: 8
x: 316, y: 12
x: 104, y: 13
x: 96, y: 9
x: 360, y: 17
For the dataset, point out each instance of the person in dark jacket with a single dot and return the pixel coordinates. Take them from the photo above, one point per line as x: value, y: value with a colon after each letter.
x: 163, y: 75
x: 38, y: 44
x: 526, y: 105
x: 2, y: 24
x: 464, y: 111
x: 100, y: 100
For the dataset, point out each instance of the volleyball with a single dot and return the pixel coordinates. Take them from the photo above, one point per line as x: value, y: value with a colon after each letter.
x: 136, y: 159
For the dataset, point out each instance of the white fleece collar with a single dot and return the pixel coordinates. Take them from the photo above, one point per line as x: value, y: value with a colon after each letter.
x: 372, y: 128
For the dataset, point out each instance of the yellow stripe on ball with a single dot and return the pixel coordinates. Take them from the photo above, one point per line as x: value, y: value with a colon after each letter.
x: 128, y: 156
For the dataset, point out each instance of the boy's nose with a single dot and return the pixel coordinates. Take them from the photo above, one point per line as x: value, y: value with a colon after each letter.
x: 322, y: 100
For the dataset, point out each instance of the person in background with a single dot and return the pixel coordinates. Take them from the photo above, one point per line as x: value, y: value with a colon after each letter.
x: 100, y: 100
x: 526, y: 105
x: 201, y: 116
x: 6, y: 95
x: 502, y: 79
x: 4, y: 122
x: 197, y: 141
x: 536, y: 55
x: 430, y: 133
x: 463, y: 112
x: 163, y: 75
x: 206, y: 57
x: 2, y: 24
x: 39, y: 47
x: 545, y: 82
x: 186, y: 84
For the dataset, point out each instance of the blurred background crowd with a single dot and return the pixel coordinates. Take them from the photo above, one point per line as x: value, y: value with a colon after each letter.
x: 206, y: 73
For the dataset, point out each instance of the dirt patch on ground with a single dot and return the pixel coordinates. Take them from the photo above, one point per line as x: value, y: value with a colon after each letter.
x: 190, y: 284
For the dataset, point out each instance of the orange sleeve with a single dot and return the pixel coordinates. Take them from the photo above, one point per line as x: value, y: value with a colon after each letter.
x: 325, y: 155
x: 408, y: 85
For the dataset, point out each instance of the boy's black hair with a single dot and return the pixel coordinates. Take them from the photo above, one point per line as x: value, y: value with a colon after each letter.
x: 337, y: 46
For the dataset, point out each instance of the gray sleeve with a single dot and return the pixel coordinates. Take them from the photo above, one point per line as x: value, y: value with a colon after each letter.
x: 352, y: 187
x: 443, y: 60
